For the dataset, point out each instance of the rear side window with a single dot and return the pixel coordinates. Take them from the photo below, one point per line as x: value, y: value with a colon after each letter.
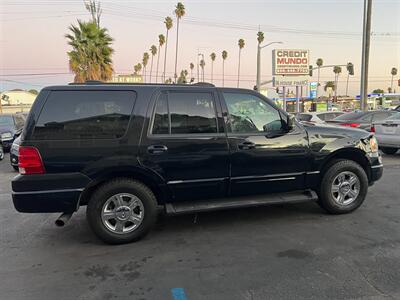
x: 185, y: 113
x: 380, y: 116
x: 69, y: 115
x: 304, y: 117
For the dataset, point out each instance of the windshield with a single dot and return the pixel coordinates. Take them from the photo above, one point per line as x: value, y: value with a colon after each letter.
x: 394, y: 117
x: 6, y: 121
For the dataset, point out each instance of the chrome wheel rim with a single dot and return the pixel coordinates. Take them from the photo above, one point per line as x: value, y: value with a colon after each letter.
x: 345, y: 188
x: 122, y: 213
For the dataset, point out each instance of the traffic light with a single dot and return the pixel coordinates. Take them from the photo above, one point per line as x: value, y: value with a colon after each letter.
x: 310, y: 69
x: 350, y: 68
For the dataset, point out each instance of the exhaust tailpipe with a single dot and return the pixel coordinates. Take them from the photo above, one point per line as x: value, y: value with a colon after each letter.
x: 63, y: 219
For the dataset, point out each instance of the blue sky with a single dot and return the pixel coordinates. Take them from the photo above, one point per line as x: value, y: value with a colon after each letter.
x: 32, y: 36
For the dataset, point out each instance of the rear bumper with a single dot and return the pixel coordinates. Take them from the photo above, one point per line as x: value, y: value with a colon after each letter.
x: 48, y: 192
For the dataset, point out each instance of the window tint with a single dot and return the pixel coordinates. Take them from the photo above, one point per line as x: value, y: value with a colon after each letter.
x: 188, y: 113
x: 396, y: 116
x: 85, y: 115
x: 327, y: 116
x: 248, y: 113
x: 304, y: 117
x: 161, y: 118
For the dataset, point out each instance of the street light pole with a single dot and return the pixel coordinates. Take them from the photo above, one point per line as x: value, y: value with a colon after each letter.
x: 259, y: 47
x: 365, y: 54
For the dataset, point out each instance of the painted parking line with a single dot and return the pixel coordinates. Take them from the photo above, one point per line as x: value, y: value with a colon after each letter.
x: 178, y: 294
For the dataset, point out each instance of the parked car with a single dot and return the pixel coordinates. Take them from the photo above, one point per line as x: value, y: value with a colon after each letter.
x: 1, y: 151
x: 14, y: 153
x: 387, y: 133
x: 361, y: 119
x: 126, y: 150
x: 318, y: 117
x: 10, y: 125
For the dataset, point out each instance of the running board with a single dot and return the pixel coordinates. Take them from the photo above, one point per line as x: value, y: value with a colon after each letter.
x: 238, y: 202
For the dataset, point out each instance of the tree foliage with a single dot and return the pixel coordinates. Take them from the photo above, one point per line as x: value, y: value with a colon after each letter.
x: 90, y: 57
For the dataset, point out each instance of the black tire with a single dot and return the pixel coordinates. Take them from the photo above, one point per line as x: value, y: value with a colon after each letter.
x: 389, y: 150
x: 1, y: 153
x: 15, y: 168
x: 327, y: 200
x: 114, y: 187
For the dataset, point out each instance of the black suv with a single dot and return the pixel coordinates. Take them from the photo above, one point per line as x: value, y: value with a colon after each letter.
x: 125, y: 151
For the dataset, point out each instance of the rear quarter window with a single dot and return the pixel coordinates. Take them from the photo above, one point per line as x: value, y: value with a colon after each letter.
x: 304, y: 117
x: 69, y: 115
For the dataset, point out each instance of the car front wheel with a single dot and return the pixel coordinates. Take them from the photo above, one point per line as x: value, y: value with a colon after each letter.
x: 343, y: 187
x: 122, y: 211
x: 389, y: 150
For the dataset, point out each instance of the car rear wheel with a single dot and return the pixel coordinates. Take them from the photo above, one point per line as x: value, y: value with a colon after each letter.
x: 122, y: 211
x: 389, y: 150
x: 1, y: 153
x: 343, y: 188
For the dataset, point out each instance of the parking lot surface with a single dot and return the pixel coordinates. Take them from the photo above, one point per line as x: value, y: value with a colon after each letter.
x: 275, y: 252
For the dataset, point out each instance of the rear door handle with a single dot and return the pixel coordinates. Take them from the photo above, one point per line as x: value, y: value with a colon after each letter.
x: 246, y: 145
x: 155, y: 149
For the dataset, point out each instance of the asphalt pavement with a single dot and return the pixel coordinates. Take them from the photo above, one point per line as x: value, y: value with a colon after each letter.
x: 275, y: 252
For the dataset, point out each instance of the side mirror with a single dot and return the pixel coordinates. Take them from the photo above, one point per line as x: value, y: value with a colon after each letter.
x: 290, y: 121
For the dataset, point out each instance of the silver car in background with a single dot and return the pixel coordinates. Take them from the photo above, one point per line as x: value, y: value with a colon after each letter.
x: 387, y: 132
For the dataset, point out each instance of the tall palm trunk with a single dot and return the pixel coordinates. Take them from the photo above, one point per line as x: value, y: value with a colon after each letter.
x: 158, y: 62
x: 165, y: 55
x: 391, y: 85
x: 151, y: 66
x: 223, y: 72
x: 238, y: 80
x: 176, y: 50
x: 336, y: 82
x: 347, y: 83
x: 318, y: 82
x: 212, y: 71
x: 144, y: 74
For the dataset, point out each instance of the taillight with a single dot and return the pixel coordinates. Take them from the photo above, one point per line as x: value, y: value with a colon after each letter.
x: 354, y: 125
x: 30, y: 161
x: 372, y: 128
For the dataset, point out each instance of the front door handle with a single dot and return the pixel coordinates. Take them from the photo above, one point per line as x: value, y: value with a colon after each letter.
x: 156, y: 149
x: 246, y: 145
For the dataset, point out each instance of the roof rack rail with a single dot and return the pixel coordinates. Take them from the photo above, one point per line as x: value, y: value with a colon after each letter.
x: 204, y: 84
x: 96, y: 82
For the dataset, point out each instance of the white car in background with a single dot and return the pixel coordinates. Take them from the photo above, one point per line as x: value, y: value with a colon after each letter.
x: 318, y: 117
x: 387, y: 132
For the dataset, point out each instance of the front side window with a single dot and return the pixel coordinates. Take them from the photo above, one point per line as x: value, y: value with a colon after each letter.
x: 185, y: 113
x: 251, y: 114
x: 85, y: 115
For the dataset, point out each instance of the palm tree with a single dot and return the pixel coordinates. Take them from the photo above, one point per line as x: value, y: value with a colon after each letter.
x: 260, y: 37
x: 191, y: 66
x: 182, y: 78
x: 224, y: 56
x: 213, y: 57
x: 179, y: 13
x: 95, y: 10
x: 241, y: 46
x: 394, y: 73
x: 161, y: 42
x: 153, y: 51
x: 202, y: 65
x: 349, y: 68
x: 329, y: 84
x: 319, y: 63
x: 145, y: 60
x: 137, y: 68
x: 168, y: 24
x: 90, y: 57
x: 337, y: 70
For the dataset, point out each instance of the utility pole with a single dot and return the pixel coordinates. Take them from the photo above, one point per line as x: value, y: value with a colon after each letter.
x: 365, y: 54
x: 259, y: 47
